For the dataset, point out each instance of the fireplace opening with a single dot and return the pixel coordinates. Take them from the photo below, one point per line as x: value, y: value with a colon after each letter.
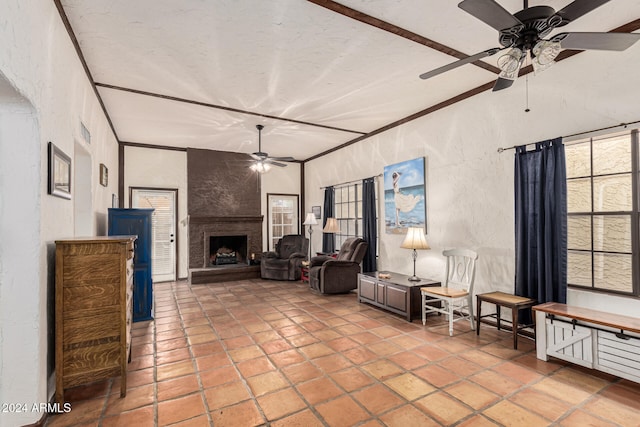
x: 225, y: 250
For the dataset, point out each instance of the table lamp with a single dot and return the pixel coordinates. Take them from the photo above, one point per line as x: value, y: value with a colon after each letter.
x: 415, y: 239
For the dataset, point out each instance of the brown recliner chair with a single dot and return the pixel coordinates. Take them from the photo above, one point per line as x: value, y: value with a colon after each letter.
x: 329, y: 275
x: 285, y: 262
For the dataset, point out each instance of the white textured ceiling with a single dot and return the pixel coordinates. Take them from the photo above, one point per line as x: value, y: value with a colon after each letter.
x: 204, y: 73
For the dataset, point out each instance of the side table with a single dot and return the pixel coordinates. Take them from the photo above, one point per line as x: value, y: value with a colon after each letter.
x: 501, y: 299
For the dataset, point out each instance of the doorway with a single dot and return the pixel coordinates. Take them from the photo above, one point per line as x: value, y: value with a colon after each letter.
x: 164, y: 248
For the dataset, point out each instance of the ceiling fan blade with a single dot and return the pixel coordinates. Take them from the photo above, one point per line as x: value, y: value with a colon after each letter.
x: 271, y: 162
x: 284, y: 159
x: 459, y: 63
x: 597, y: 41
x: 575, y: 10
x: 502, y: 83
x: 256, y: 156
x: 491, y: 13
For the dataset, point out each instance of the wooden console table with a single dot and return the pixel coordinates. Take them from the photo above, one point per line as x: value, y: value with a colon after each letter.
x: 396, y: 294
x: 594, y: 339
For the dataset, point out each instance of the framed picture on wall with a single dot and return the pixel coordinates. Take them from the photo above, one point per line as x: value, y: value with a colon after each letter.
x: 405, y: 203
x: 59, y: 182
x: 104, y: 175
x: 316, y: 211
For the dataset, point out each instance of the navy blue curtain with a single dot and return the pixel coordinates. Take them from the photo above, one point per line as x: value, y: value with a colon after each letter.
x: 541, y: 223
x: 369, y: 226
x: 328, y: 239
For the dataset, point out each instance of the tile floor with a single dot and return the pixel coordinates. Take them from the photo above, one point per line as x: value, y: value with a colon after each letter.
x: 265, y: 353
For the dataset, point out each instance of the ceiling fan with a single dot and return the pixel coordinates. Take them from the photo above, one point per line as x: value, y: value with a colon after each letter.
x: 262, y: 160
x: 524, y: 32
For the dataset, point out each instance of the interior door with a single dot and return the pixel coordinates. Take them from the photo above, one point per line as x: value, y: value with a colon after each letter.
x: 164, y: 229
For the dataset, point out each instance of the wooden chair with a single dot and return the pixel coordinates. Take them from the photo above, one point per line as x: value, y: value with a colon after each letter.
x: 457, y: 293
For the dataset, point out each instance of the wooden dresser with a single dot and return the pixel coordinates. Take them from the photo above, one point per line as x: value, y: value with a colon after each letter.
x: 94, y: 294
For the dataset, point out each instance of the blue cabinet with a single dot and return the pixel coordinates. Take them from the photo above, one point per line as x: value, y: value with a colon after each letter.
x: 128, y: 222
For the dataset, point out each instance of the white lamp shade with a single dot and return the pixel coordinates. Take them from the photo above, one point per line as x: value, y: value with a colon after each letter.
x: 331, y: 226
x: 310, y: 219
x: 415, y: 239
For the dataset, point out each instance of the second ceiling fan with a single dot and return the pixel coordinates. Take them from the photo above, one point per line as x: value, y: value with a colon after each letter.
x: 263, y: 161
x: 523, y: 33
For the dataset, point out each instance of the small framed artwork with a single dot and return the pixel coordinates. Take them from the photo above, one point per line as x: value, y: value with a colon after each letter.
x: 59, y: 182
x: 104, y: 175
x: 316, y: 211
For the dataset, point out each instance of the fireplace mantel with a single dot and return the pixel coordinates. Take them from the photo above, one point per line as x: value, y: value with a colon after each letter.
x: 217, y: 219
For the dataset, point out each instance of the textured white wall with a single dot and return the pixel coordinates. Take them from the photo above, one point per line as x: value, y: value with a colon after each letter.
x: 38, y: 60
x: 469, y: 185
x: 152, y: 168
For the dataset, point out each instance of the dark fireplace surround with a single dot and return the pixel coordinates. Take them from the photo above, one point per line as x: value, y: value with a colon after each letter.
x: 224, y: 205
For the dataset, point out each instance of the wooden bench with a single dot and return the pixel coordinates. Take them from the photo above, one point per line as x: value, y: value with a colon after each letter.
x: 501, y: 299
x: 599, y: 340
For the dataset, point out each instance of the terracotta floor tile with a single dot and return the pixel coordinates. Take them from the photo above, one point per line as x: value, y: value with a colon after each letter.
x: 207, y: 349
x: 343, y: 411
x: 409, y: 386
x: 614, y: 411
x: 201, y: 421
x: 407, y: 342
x: 496, y: 382
x: 408, y: 360
x: 172, y: 344
x: 477, y: 421
x: 443, y: 408
x: 135, y: 398
x: 541, y: 403
x: 332, y: 363
x: 359, y: 355
x: 83, y: 412
x: 382, y: 369
x: 378, y: 399
x: 212, y: 361
x: 481, y: 358
x: 302, y: 340
x: 508, y: 414
x: 218, y: 376
x: 177, y: 369
x: 472, y: 394
x: 305, y: 418
x: 286, y: 358
x: 245, y: 414
x: 460, y: 366
x: 436, y: 375
x: 183, y: 408
x: 532, y: 362
x: 226, y: 395
x: 316, y: 350
x: 319, y: 390
x: 407, y: 415
x: 342, y: 344
x: 384, y: 348
x: 256, y: 366
x: 579, y: 418
x: 431, y: 352
x: 267, y: 383
x: 281, y: 403
x: 170, y: 334
x: 202, y: 338
x: 364, y: 338
x: 351, y: 379
x: 245, y: 353
x: 170, y: 389
x: 139, y: 377
x: 562, y: 390
x: 301, y: 372
x: 275, y: 346
x: 138, y: 417
x: 327, y: 335
x: 197, y: 330
x: 237, y: 342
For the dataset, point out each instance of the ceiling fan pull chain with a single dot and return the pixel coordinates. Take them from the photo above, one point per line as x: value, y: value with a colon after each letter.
x: 526, y: 84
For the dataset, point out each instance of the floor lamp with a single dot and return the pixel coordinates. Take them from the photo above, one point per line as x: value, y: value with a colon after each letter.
x: 310, y: 220
x: 415, y: 240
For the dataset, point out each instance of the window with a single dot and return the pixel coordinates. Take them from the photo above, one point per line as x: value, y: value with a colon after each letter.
x: 348, y: 211
x: 282, y: 217
x: 602, y: 206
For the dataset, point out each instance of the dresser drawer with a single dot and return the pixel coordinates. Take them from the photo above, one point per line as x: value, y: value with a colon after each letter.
x: 618, y: 356
x: 91, y: 296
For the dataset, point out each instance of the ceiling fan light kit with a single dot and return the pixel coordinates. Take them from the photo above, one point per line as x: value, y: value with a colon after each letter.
x: 523, y: 34
x: 263, y: 161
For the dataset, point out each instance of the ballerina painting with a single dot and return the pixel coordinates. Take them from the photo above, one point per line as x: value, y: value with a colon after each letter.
x: 404, y: 195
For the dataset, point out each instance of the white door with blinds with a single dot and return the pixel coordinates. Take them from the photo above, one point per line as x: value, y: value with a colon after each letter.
x: 163, y: 266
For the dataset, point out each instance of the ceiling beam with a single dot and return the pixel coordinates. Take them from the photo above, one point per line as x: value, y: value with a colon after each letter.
x: 626, y: 28
x: 76, y: 45
x: 222, y: 107
x: 398, y: 31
